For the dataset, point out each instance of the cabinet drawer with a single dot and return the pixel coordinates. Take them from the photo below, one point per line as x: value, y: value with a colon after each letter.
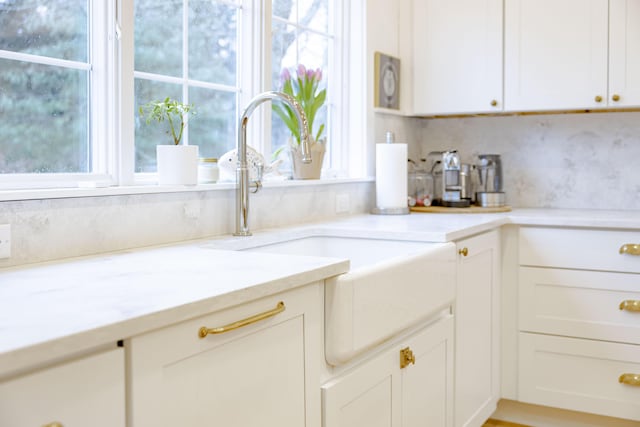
x: 584, y: 304
x: 84, y: 392
x: 579, y: 248
x: 579, y: 375
x: 263, y: 373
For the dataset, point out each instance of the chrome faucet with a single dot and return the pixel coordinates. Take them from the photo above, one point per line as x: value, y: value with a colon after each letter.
x: 242, y: 170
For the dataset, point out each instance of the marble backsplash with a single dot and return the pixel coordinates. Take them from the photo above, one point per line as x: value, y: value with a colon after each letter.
x: 53, y: 229
x: 588, y: 160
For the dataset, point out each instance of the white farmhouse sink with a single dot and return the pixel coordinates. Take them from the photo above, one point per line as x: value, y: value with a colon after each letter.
x: 391, y: 286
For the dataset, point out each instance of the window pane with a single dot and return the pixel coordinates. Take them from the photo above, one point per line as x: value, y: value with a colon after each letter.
x: 284, y: 50
x: 213, y: 129
x: 212, y: 42
x: 44, y: 119
x: 313, y: 14
x: 158, y: 36
x: 52, y: 28
x: 306, y: 13
x: 154, y: 133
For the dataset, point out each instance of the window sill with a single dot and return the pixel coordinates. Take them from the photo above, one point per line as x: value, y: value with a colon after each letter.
x: 63, y: 193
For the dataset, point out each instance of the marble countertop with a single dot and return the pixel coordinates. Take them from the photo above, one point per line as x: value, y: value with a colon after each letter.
x: 55, y: 310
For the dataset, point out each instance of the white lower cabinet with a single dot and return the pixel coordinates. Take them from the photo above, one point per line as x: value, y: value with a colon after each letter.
x: 380, y: 393
x: 581, y: 375
x: 477, y: 331
x: 262, y: 372
x: 579, y: 318
x: 84, y: 392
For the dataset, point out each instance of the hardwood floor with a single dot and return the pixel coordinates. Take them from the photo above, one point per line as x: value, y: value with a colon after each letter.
x: 497, y: 423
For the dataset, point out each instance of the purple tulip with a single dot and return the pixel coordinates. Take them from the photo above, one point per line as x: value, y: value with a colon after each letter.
x: 302, y: 71
x: 318, y: 74
x: 311, y: 74
x: 285, y: 75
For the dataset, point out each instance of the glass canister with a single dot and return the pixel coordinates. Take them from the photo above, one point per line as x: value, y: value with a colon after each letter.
x: 208, y: 172
x: 420, y: 188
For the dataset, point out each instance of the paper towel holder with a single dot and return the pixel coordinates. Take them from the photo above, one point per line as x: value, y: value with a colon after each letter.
x: 390, y: 139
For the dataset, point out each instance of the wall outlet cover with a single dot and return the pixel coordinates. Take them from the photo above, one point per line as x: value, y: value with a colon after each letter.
x: 5, y: 241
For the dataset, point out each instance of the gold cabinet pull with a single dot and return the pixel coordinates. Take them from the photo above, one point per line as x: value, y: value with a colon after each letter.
x: 615, y: 97
x: 464, y: 251
x: 630, y: 379
x: 630, y: 249
x: 630, y: 305
x: 406, y: 358
x: 53, y: 424
x: 598, y: 98
x: 494, y: 103
x: 204, y: 331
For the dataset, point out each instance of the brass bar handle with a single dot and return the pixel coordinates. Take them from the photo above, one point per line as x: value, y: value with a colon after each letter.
x: 53, y: 424
x: 630, y: 305
x: 406, y: 357
x: 204, y: 331
x: 630, y: 379
x: 630, y: 249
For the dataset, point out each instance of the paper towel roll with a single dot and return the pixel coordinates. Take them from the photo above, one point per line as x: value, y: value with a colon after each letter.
x: 391, y: 176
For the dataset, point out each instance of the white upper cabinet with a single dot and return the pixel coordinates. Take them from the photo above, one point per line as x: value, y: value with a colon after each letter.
x: 571, y: 54
x: 457, y: 55
x: 624, y: 53
x: 555, y: 54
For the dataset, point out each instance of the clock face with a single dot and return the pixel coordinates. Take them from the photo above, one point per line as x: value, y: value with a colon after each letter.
x: 389, y: 80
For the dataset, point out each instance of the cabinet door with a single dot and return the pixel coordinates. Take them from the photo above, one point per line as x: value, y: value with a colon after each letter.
x: 457, y: 52
x: 477, y: 318
x: 624, y: 60
x: 265, y: 373
x: 84, y: 392
x: 427, y: 385
x: 379, y: 393
x: 555, y: 54
x: 368, y: 395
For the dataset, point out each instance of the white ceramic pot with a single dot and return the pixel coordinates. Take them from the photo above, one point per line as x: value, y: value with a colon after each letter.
x: 177, y: 164
x: 311, y: 170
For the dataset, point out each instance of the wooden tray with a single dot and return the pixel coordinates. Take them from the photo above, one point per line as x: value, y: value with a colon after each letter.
x: 469, y: 210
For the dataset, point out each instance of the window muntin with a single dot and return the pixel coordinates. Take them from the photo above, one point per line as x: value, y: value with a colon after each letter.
x: 45, y: 87
x: 202, y: 69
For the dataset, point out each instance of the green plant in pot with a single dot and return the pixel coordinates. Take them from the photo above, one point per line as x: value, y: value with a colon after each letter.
x: 305, y: 88
x: 177, y: 164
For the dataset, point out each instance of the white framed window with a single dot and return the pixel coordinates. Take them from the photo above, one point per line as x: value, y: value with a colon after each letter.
x: 309, y: 33
x: 54, y: 61
x: 74, y: 73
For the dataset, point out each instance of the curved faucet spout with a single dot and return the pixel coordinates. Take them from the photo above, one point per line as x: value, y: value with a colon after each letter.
x: 242, y: 170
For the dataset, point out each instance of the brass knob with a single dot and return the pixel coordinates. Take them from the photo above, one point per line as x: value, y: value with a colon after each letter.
x: 630, y: 249
x: 406, y: 357
x: 494, y: 103
x: 630, y: 379
x: 598, y: 98
x: 630, y: 305
x: 464, y: 251
x: 616, y: 97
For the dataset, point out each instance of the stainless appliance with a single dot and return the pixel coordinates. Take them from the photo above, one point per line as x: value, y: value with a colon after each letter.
x: 452, y: 186
x: 490, y: 192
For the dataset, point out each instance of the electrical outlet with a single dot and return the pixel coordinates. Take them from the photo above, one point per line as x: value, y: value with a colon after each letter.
x: 342, y: 203
x: 5, y: 241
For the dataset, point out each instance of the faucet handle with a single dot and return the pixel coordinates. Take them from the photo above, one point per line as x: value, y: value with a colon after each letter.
x: 257, y: 184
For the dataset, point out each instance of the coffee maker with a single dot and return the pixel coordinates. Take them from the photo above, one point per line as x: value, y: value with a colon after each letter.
x: 490, y: 189
x: 453, y: 187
